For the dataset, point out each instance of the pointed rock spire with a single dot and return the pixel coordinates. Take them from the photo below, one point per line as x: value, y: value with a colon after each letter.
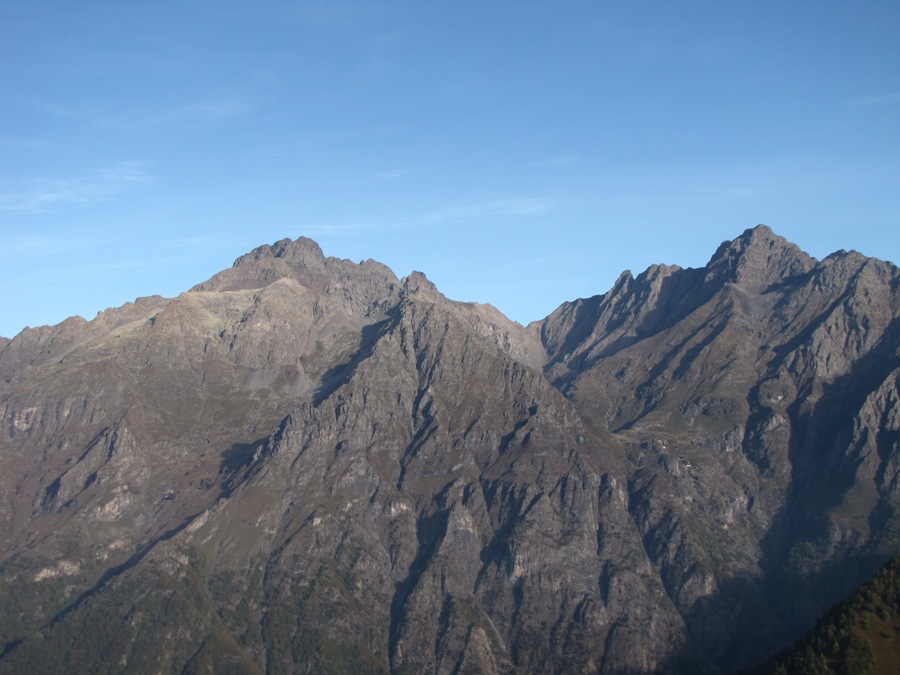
x: 759, y: 257
x: 419, y: 284
x: 303, y: 250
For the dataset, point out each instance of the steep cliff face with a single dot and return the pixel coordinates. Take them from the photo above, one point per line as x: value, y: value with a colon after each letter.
x: 309, y: 465
x: 760, y: 391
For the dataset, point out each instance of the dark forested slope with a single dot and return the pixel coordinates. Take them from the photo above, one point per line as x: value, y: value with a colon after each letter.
x: 861, y: 634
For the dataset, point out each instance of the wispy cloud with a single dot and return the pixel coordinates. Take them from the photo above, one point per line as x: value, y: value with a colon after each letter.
x: 95, y: 268
x: 37, y: 244
x: 525, y: 206
x: 22, y: 142
x: 335, y: 17
x: 45, y: 194
x: 719, y: 195
x: 342, y: 229
x: 876, y: 100
x: 201, y: 241
x: 214, y: 108
x: 485, y: 210
x: 27, y: 243
x: 326, y: 137
x: 217, y: 104
x: 554, y: 162
x: 391, y: 174
x: 516, y: 264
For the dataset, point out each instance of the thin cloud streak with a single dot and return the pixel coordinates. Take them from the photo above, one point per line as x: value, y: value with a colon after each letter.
x: 199, y: 111
x: 499, y: 208
x: 45, y: 245
x: 25, y: 244
x: 528, y: 206
x: 876, y: 100
x: 554, y: 162
x: 43, y: 195
x: 219, y: 105
x: 201, y: 241
x: 22, y: 142
x: 342, y: 229
x: 391, y: 174
x: 718, y: 195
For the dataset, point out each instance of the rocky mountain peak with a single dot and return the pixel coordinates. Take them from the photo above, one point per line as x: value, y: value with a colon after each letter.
x: 308, y: 465
x: 302, y: 251
x: 361, y: 286
x: 419, y: 284
x: 758, y: 257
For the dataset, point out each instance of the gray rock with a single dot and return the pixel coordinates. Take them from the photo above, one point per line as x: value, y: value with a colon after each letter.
x: 306, y: 464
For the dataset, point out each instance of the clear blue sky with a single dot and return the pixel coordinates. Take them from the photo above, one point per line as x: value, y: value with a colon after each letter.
x: 519, y: 153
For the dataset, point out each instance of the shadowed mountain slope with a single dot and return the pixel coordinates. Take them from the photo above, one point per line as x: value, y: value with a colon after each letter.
x: 858, y: 635
x: 306, y: 464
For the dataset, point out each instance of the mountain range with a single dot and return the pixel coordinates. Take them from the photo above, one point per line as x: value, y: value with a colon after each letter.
x: 309, y: 465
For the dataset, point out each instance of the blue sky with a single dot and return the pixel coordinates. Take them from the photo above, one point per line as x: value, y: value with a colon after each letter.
x: 519, y: 153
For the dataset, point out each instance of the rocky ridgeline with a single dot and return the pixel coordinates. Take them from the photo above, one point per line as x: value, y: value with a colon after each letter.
x: 309, y: 465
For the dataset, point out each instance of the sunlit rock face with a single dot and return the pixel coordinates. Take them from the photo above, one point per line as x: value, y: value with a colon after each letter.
x: 306, y: 464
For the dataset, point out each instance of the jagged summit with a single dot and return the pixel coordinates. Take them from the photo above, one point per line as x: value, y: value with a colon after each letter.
x: 302, y: 250
x: 758, y: 257
x: 418, y: 283
x: 362, y: 288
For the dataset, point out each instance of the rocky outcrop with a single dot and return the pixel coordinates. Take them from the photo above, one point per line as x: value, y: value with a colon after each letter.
x: 306, y: 464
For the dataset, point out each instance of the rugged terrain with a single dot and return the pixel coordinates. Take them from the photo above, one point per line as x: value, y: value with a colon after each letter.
x: 306, y: 464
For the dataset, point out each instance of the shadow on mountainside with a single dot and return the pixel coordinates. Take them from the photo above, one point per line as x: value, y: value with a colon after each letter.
x: 338, y: 375
x: 804, y: 569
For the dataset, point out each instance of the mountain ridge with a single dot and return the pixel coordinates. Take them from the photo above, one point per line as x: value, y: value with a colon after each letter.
x: 318, y: 466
